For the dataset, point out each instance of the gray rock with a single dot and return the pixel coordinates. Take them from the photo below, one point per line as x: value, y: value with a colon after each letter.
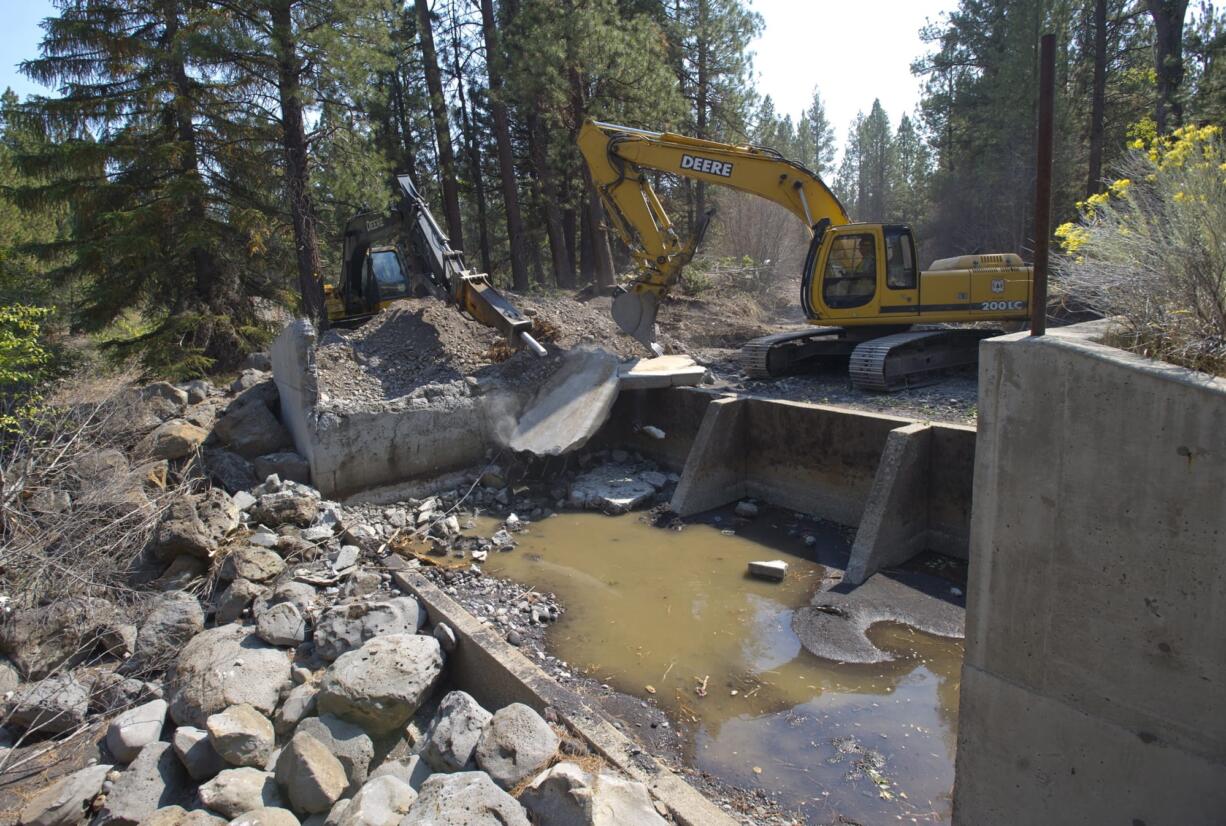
x: 347, y: 627
x: 566, y: 795
x: 746, y: 509
x: 173, y: 439
x: 412, y: 770
x: 286, y: 464
x: 348, y: 742
x: 66, y: 802
x: 235, y: 791
x: 516, y: 744
x: 51, y: 705
x: 241, y: 735
x: 155, y: 779
x: 282, y: 624
x: 173, y: 620
x: 222, y: 667
x: 195, y: 525
x: 164, y: 390
x: 383, y: 801
x: 334, y: 815
x: 252, y: 430
x: 134, y: 729
x: 236, y: 599
x: 178, y: 816
x: 231, y: 471
x: 112, y: 692
x: 285, y: 508
x: 196, y: 753
x: 382, y: 684
x: 361, y: 584
x: 299, y: 594
x: 40, y: 641
x: 464, y: 799
x: 268, y: 816
x: 10, y: 677
x: 198, y: 390
x: 298, y: 705
x: 654, y: 478
x: 181, y: 572
x: 260, y: 362
x: 453, y: 733
x: 251, y: 563
x: 312, y: 777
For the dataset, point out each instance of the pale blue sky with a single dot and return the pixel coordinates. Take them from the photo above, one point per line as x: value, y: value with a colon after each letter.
x: 853, y: 51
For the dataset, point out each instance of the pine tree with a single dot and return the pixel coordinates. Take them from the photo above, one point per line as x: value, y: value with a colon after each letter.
x: 819, y: 136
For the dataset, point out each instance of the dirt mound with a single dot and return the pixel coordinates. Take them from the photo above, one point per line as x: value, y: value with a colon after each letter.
x: 420, y: 342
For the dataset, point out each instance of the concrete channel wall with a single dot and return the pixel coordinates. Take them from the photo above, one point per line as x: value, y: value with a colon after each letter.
x: 1094, y: 684
x: 906, y: 484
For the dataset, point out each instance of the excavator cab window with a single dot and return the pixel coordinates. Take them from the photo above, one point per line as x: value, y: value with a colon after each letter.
x: 388, y: 276
x: 850, y: 279
x: 899, y: 258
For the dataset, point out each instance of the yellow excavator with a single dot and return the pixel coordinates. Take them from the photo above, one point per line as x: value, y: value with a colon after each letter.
x: 861, y: 282
x: 386, y: 257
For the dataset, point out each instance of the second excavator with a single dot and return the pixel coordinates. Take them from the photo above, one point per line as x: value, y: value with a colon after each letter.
x: 861, y: 282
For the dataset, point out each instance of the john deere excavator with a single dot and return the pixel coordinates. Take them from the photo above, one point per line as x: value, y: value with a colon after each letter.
x: 386, y: 257
x: 860, y: 283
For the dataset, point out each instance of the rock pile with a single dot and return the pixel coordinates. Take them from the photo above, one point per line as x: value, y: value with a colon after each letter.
x: 281, y: 675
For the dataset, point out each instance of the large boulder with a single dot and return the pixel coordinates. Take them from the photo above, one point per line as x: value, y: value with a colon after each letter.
x: 383, y: 683
x: 195, y: 525
x: 222, y: 667
x: 136, y: 728
x: 51, y: 705
x: 285, y: 507
x: 196, y: 753
x: 155, y: 779
x: 235, y: 791
x: 267, y: 816
x: 231, y: 471
x: 39, y: 641
x: 566, y: 795
x: 173, y: 439
x: 298, y: 705
x: 251, y: 563
x: 251, y: 430
x: 348, y: 742
x: 241, y: 735
x: 383, y: 801
x: 516, y: 744
x: 310, y: 774
x: 412, y: 770
x: 347, y: 627
x: 282, y: 624
x: 165, y: 390
x: 464, y: 799
x: 66, y: 802
x: 175, y: 618
x: 454, y: 731
x: 236, y: 599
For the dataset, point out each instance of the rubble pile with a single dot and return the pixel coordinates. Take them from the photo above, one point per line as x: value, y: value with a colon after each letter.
x: 284, y: 673
x: 423, y: 346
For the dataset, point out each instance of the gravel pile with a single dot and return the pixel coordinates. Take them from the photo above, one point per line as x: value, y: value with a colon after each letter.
x: 418, y: 343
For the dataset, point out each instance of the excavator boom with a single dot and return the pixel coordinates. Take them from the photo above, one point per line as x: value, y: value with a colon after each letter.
x: 616, y: 157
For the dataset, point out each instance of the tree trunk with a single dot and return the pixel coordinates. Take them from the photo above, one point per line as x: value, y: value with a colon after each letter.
x: 1098, y: 99
x: 1168, y: 17
x: 406, y: 156
x: 563, y: 270
x: 502, y: 138
x: 587, y: 266
x: 297, y: 167
x: 442, y: 127
x: 700, y: 105
x: 601, y: 255
x: 474, y: 154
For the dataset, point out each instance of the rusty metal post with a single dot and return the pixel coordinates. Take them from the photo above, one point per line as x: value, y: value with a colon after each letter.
x: 1042, y: 188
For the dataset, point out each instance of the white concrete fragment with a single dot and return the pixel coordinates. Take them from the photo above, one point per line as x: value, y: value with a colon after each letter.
x: 568, y: 409
x: 775, y: 569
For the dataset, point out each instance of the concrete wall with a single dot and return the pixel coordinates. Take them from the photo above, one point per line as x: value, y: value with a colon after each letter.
x: 1094, y: 685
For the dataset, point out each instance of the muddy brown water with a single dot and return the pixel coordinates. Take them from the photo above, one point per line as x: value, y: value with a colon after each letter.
x: 660, y: 614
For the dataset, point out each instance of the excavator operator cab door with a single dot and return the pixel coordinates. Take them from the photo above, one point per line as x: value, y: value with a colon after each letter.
x: 865, y: 272
x: 384, y: 279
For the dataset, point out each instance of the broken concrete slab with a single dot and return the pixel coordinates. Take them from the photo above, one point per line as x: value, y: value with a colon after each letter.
x: 610, y: 488
x: 568, y: 409
x: 773, y: 569
x: 662, y: 371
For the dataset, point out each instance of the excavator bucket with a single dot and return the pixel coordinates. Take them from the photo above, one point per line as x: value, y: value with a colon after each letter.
x: 635, y: 312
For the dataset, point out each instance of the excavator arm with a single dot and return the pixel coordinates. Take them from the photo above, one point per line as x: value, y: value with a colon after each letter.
x: 617, y: 157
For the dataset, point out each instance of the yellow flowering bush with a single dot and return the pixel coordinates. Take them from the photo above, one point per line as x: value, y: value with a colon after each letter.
x: 1151, y: 248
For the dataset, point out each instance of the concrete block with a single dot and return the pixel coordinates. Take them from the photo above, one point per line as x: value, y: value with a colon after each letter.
x: 775, y: 569
x: 894, y: 526
x: 663, y: 371
x: 714, y: 473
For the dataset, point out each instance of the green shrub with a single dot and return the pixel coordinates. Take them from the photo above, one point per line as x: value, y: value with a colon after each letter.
x: 23, y: 364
